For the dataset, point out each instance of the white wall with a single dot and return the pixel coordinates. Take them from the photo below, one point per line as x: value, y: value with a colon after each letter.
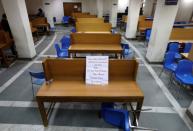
x: 106, y: 6
x: 185, y: 10
x: 56, y: 6
x: 33, y: 6
x: 122, y: 5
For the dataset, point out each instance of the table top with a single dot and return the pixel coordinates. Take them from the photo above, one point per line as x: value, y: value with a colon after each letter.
x: 97, y: 48
x: 76, y: 90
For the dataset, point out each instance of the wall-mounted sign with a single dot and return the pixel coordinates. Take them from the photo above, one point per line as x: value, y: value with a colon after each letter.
x: 97, y: 70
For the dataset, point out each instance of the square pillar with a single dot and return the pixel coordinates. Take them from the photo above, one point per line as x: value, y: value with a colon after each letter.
x: 133, y: 17
x: 162, y: 27
x: 148, y: 7
x: 100, y: 8
x: 20, y: 27
x: 113, y: 12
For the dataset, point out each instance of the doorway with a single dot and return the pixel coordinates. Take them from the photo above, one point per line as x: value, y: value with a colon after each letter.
x: 70, y: 7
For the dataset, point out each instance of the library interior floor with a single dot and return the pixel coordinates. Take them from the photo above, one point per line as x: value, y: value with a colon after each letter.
x: 17, y: 102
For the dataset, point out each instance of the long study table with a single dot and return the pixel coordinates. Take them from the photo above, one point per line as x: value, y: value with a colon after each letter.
x: 68, y: 85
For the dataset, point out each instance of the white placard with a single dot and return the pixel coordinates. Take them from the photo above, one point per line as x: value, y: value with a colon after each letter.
x: 97, y: 70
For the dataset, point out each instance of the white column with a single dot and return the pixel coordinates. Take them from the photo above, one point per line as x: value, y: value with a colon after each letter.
x: 100, y: 8
x: 162, y: 26
x: 148, y: 7
x: 133, y: 17
x: 19, y: 23
x: 49, y: 11
x: 113, y: 12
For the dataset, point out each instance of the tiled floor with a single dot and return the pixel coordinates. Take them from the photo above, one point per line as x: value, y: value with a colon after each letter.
x: 19, y: 112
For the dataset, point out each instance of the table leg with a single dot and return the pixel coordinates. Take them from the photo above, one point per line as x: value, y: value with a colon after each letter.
x: 43, y: 112
x: 4, y: 58
x: 138, y: 108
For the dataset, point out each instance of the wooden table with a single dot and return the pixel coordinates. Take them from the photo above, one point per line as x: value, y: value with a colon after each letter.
x: 62, y: 90
x: 68, y: 85
x: 95, y: 48
x: 95, y: 43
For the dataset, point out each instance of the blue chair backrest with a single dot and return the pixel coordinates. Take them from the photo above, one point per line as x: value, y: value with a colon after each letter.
x: 57, y: 47
x: 184, y: 67
x: 187, y: 47
x: 124, y: 46
x: 66, y: 18
x: 147, y: 34
x: 38, y: 75
x: 65, y: 42
x: 169, y: 58
x: 115, y: 117
x: 173, y: 47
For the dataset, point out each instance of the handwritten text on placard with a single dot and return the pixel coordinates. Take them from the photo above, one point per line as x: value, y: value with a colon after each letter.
x: 97, y: 68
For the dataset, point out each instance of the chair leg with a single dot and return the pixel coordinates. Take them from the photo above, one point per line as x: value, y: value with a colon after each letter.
x: 170, y: 80
x: 33, y: 91
x: 32, y: 88
x: 161, y: 72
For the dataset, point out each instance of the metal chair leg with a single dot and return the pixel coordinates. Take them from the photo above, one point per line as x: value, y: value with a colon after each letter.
x: 161, y: 72
x: 32, y: 88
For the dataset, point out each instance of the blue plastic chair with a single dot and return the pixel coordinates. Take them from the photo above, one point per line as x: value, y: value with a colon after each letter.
x: 61, y: 53
x: 187, y: 47
x: 183, y: 73
x: 37, y: 78
x: 125, y: 48
x: 169, y: 63
x: 174, y: 47
x: 65, y: 41
x: 65, y: 19
x: 147, y: 34
x: 119, y: 118
x: 73, y: 30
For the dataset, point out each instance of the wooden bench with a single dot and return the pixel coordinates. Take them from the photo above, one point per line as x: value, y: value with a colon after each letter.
x: 95, y: 43
x: 93, y: 27
x: 34, y: 30
x: 181, y: 35
x: 6, y: 43
x: 90, y: 20
x: 143, y: 25
x: 76, y: 14
x: 41, y: 23
x: 142, y: 18
x: 66, y: 83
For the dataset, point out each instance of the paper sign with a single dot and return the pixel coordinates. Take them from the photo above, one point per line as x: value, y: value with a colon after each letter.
x: 97, y: 70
